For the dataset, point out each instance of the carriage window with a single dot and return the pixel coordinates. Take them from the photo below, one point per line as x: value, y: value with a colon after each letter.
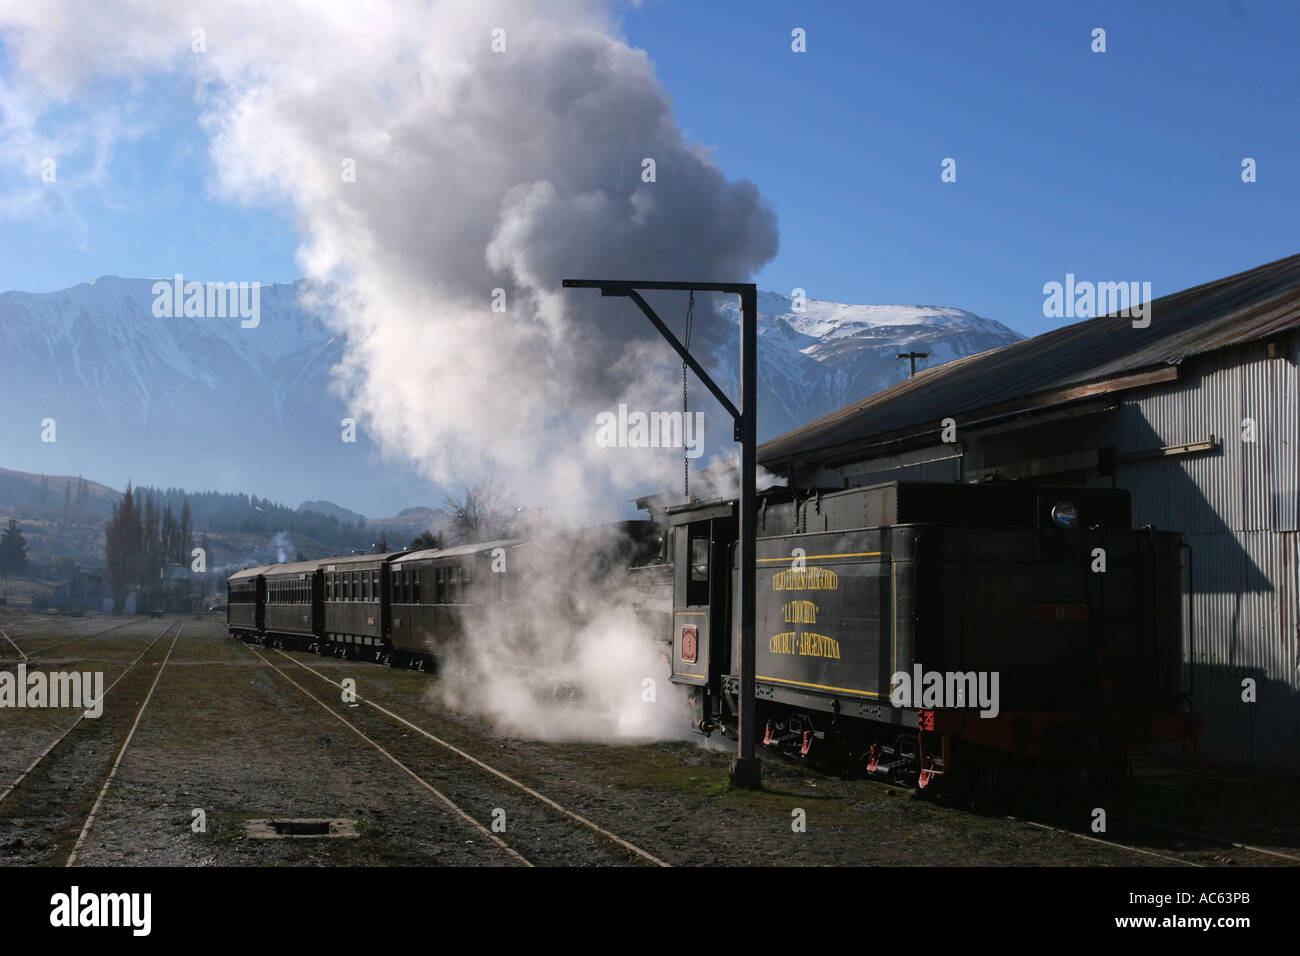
x: 374, y: 585
x: 415, y: 585
x: 365, y: 586
x: 356, y: 585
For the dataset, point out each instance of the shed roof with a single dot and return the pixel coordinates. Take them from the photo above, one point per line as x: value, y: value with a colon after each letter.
x: 1089, y: 357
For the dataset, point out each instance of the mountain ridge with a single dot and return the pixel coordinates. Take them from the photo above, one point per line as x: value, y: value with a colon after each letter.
x: 206, y: 403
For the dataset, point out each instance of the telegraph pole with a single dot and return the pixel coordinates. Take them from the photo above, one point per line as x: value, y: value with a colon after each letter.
x: 913, y: 356
x: 746, y: 769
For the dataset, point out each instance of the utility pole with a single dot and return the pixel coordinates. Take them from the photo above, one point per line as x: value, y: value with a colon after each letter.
x: 913, y: 356
x: 746, y: 769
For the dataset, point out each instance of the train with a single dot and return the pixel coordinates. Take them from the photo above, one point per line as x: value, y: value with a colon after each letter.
x: 956, y: 636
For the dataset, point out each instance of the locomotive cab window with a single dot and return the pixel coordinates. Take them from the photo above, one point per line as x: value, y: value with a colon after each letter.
x: 699, y: 559
x: 697, y: 585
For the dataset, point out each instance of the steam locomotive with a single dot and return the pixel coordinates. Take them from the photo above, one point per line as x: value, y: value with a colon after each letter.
x: 950, y: 635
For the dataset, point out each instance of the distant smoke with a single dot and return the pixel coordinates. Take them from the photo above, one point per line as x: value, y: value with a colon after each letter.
x: 475, y: 171
x: 282, y: 544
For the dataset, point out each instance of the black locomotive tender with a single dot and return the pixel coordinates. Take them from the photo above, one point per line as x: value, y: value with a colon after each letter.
x: 1058, y: 624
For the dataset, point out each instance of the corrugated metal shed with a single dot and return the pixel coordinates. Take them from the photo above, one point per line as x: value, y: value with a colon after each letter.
x: 1196, y: 416
x: 1087, y: 358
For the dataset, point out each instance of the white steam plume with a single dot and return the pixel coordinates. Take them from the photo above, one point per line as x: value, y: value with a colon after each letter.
x: 476, y: 169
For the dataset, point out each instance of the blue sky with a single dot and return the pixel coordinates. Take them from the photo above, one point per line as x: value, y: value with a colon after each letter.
x: 1123, y: 165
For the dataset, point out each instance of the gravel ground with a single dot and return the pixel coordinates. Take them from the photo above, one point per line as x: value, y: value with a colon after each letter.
x: 227, y: 734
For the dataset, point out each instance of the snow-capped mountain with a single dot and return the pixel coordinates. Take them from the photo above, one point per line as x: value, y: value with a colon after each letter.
x: 206, y: 403
x: 822, y: 356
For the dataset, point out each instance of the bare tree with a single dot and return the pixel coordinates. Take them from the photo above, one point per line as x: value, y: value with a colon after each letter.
x: 481, y: 515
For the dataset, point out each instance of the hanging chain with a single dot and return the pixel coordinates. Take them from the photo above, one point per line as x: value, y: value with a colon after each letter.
x: 686, y: 460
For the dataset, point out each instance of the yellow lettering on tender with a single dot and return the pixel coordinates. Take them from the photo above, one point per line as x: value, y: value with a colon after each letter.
x: 811, y: 579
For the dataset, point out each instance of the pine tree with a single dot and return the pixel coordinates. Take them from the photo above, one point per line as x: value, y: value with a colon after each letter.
x: 170, y: 536
x: 13, y: 549
x: 124, y: 548
x: 185, y: 543
x: 428, y: 541
x: 67, y: 497
x: 152, y: 544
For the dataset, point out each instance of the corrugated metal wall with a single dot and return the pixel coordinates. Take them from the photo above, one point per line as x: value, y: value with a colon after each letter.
x: 1237, y: 505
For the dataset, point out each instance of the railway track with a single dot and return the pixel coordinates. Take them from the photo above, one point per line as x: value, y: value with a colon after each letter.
x: 69, y: 770
x: 47, y: 652
x: 557, y: 834
x: 21, y: 654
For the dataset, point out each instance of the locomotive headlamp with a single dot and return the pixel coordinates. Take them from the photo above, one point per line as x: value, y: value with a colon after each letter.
x: 1065, y: 514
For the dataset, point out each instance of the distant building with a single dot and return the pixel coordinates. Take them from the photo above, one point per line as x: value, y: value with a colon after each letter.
x: 84, y: 592
x: 1195, y: 414
x: 180, y: 587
